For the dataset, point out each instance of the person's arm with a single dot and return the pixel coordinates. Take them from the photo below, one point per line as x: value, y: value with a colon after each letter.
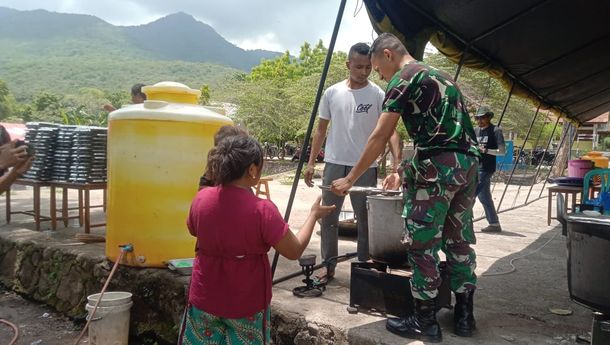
x: 292, y: 246
x: 7, y: 180
x: 11, y: 155
x: 386, y: 126
x: 396, y: 151
x: 316, y: 146
x: 393, y: 180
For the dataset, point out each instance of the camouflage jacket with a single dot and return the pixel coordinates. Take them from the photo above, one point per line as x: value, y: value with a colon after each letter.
x: 432, y: 108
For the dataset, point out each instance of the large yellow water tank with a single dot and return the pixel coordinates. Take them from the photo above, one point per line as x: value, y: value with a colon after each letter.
x: 156, y: 153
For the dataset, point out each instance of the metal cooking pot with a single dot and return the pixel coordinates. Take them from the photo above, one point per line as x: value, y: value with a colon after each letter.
x: 386, y: 227
x: 588, y: 259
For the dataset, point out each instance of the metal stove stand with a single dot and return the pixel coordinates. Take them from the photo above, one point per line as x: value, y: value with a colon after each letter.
x: 374, y: 288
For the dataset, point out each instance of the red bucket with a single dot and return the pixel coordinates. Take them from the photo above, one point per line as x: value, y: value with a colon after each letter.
x: 579, y: 167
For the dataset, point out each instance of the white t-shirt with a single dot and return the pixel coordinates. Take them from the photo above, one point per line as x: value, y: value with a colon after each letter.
x: 353, y: 115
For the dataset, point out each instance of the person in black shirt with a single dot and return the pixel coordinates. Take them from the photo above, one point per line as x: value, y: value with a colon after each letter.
x: 491, y: 144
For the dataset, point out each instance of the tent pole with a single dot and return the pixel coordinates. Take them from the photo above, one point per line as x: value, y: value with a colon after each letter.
x: 534, y: 146
x: 510, y: 93
x: 312, y: 119
x: 529, y: 130
x: 542, y: 159
x: 459, y: 66
x: 554, y: 159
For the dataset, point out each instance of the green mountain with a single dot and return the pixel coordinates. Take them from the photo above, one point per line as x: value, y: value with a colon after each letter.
x: 180, y: 37
x: 61, y: 53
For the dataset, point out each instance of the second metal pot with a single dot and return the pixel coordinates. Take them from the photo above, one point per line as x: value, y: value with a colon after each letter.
x: 386, y: 227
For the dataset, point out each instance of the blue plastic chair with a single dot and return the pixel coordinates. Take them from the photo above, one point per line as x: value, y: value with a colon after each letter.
x: 604, y: 175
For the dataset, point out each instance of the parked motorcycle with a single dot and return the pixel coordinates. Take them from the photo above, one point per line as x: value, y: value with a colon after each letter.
x: 297, y: 155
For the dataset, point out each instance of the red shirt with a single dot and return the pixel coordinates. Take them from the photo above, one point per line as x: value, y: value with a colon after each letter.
x: 235, y: 230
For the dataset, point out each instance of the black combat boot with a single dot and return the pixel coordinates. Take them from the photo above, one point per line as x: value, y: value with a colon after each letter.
x: 422, y: 325
x: 463, y: 317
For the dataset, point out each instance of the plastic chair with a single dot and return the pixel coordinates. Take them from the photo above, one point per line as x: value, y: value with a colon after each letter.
x: 604, y: 178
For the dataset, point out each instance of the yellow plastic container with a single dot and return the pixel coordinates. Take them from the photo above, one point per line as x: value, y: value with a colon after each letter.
x: 171, y: 92
x: 156, y: 153
x: 599, y: 161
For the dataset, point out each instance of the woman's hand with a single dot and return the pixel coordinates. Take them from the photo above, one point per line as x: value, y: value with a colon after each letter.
x: 319, y: 211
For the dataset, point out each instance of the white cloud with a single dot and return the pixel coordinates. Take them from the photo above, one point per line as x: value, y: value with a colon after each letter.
x: 267, y: 41
x: 266, y: 24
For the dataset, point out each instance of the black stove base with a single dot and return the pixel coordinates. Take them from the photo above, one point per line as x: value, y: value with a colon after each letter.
x: 600, y: 333
x: 374, y: 289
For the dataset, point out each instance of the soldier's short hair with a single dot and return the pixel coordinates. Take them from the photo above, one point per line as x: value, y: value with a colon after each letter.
x: 387, y: 41
x: 358, y: 48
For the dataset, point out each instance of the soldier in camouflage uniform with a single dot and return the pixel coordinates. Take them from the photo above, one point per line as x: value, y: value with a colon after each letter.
x: 439, y: 183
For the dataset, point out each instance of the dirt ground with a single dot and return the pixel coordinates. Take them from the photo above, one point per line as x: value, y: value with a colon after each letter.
x: 512, y: 308
x: 38, y: 324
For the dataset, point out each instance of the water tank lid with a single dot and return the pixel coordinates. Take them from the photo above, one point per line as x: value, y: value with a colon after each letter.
x: 170, y: 87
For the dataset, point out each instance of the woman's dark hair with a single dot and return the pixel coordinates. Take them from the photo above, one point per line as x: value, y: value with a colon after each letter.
x: 230, y: 159
x: 228, y: 131
x: 207, y: 179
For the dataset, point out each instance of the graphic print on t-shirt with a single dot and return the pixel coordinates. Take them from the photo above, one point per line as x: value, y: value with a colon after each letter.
x: 363, y: 108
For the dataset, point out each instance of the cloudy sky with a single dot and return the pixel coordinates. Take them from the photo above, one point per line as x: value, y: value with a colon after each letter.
x: 266, y: 24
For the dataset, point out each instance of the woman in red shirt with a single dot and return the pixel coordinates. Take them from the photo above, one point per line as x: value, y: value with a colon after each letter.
x: 230, y: 288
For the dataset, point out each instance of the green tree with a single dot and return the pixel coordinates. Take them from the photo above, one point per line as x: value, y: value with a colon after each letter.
x: 46, y: 100
x: 84, y: 107
x: 117, y: 98
x: 7, y: 101
x: 277, y: 96
x: 46, y: 106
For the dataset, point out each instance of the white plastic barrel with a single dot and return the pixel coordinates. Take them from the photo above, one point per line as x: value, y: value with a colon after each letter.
x: 110, y: 324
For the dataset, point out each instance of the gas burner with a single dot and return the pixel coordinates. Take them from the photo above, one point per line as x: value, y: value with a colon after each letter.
x: 311, y: 288
x: 377, y: 288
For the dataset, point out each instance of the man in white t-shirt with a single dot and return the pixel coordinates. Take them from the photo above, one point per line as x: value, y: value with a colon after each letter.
x: 353, y: 107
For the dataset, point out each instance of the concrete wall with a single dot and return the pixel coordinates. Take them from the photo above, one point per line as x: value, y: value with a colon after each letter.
x: 63, y: 275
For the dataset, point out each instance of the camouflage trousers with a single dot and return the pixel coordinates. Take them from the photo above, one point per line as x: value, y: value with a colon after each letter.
x: 439, y: 193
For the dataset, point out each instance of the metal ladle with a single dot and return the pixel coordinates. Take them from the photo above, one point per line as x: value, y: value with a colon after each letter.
x: 366, y: 190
